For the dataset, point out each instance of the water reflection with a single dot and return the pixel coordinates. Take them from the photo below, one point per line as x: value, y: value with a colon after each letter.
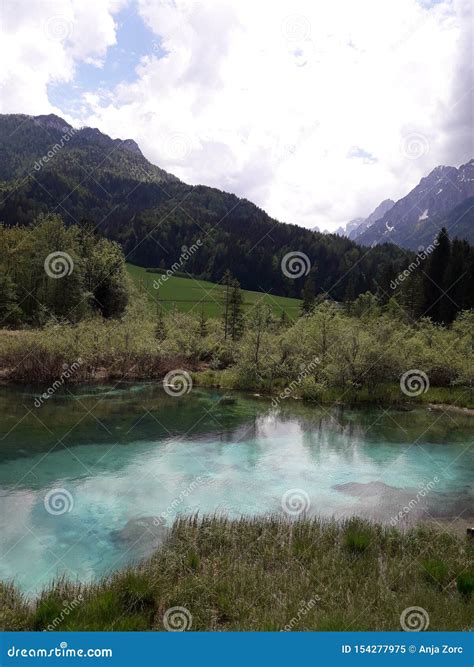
x: 132, y: 454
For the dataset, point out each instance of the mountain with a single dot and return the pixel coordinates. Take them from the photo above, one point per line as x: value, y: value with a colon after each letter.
x: 441, y: 199
x: 353, y: 231
x: 352, y: 225
x: 355, y: 227
x: 106, y: 184
x: 31, y: 144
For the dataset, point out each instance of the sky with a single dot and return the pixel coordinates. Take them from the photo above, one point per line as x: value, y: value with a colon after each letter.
x: 314, y: 110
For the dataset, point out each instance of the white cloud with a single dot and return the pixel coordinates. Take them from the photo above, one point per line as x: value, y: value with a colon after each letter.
x: 281, y: 102
x: 41, y: 43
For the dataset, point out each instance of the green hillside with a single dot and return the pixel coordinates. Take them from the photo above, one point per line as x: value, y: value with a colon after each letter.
x: 188, y: 294
x: 92, y: 180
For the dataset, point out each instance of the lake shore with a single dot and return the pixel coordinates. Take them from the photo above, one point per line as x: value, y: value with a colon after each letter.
x: 457, y: 400
x: 268, y: 574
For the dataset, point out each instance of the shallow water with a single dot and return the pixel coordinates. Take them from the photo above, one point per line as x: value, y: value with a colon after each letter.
x: 90, y: 480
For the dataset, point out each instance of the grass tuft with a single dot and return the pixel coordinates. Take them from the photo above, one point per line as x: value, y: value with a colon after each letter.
x: 436, y: 572
x: 357, y: 538
x: 465, y: 584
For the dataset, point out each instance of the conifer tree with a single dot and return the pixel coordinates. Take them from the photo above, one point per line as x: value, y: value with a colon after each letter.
x: 308, y: 296
x: 434, y: 277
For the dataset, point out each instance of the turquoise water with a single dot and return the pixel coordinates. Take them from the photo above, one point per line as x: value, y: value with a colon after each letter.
x: 91, y: 480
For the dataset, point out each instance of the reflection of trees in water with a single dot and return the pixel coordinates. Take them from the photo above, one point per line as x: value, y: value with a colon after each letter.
x: 141, y: 412
x: 326, y: 432
x: 119, y: 416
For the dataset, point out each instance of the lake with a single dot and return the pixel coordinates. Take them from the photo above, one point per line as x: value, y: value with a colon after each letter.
x: 91, y: 479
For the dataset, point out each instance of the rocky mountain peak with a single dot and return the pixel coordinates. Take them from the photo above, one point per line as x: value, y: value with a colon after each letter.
x: 53, y: 122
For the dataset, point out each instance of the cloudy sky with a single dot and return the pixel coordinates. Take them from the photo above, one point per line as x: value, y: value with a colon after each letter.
x: 314, y: 110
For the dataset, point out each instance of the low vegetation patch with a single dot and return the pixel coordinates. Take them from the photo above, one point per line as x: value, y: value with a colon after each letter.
x: 268, y: 573
x: 358, y: 540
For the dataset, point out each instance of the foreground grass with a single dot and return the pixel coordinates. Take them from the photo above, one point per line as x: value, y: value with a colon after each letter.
x: 269, y: 574
x: 189, y: 294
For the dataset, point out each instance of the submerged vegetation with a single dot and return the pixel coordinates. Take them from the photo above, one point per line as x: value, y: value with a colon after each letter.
x: 268, y: 574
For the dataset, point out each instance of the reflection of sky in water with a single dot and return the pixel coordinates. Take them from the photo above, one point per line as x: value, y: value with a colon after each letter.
x: 246, y: 456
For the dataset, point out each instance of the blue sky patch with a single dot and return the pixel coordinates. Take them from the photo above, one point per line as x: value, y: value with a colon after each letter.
x: 134, y: 40
x: 357, y: 152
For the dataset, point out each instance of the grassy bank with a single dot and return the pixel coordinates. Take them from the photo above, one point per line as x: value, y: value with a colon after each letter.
x: 269, y: 574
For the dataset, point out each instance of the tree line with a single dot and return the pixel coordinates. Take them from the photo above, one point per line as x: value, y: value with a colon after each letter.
x: 437, y: 283
x: 50, y: 271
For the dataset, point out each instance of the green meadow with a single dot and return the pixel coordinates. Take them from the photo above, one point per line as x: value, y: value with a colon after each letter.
x: 191, y: 295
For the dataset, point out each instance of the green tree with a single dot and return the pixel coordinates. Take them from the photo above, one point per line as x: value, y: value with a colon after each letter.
x: 434, y: 277
x: 258, y: 321
x: 160, y: 324
x: 202, y: 324
x: 10, y: 313
x: 366, y: 305
x: 227, y: 282
x: 308, y: 295
x: 235, y: 317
